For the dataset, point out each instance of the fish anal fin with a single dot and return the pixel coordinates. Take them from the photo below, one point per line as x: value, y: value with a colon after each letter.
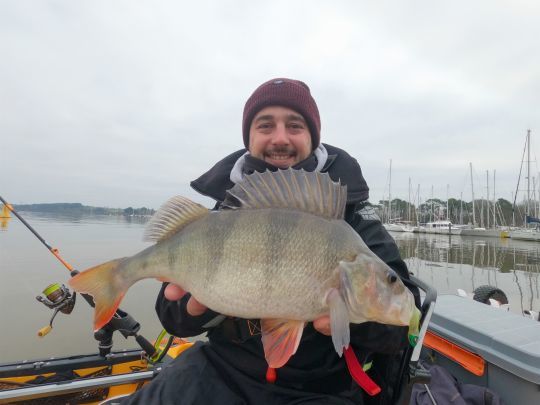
x: 339, y: 321
x: 172, y: 217
x: 280, y: 338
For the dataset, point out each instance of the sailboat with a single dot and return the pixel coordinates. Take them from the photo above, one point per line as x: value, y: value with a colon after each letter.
x: 494, y: 231
x: 527, y: 233
x: 396, y: 224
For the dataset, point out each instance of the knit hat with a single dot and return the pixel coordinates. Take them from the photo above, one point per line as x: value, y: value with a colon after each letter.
x: 289, y: 93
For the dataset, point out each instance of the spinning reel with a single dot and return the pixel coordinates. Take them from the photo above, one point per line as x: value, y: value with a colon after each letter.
x: 58, y: 298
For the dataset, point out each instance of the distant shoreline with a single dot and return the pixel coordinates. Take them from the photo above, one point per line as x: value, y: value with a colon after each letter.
x: 78, y: 208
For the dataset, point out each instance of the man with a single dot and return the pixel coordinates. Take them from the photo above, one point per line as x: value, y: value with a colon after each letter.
x: 281, y: 129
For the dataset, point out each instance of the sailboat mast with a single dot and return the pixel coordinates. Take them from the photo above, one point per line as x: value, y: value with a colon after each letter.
x: 390, y: 193
x: 461, y: 208
x: 494, y: 202
x: 432, y: 216
x: 447, y: 211
x: 487, y: 199
x: 528, y: 174
x: 418, y: 206
x: 533, y: 202
x: 472, y: 193
x: 409, y: 206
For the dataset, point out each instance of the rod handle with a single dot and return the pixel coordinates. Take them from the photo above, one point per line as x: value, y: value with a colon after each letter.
x: 44, y: 331
x: 146, y: 345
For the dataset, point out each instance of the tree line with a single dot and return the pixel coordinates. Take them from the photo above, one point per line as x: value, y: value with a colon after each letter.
x: 79, y: 209
x: 457, y: 211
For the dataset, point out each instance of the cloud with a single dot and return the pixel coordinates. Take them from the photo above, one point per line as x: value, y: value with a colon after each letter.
x: 123, y: 103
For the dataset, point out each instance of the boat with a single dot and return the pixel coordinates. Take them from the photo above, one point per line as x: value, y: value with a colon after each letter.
x: 393, y: 227
x: 472, y: 229
x: 526, y: 233
x: 87, y: 378
x: 486, y: 346
x: 501, y: 232
x: 441, y: 227
x: 400, y: 227
x: 396, y: 224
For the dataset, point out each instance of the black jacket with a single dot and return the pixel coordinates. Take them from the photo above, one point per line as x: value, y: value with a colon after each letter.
x: 315, y: 366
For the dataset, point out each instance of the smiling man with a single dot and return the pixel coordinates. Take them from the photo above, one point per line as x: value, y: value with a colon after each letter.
x: 281, y: 128
x: 280, y: 137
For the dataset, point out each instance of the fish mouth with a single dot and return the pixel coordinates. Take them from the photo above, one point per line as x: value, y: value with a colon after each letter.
x: 404, y: 311
x: 399, y: 313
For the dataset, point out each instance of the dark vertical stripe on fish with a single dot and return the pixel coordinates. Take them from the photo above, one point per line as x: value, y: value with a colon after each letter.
x: 172, y: 256
x: 216, y: 235
x: 278, y: 237
x: 334, y: 243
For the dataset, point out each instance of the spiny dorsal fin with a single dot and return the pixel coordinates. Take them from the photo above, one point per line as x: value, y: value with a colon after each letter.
x: 172, y: 216
x: 311, y: 192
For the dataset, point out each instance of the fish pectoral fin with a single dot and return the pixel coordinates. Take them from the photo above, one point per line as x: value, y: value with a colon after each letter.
x: 339, y: 321
x: 280, y: 338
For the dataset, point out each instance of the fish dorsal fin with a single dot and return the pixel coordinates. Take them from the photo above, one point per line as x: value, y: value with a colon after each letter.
x: 173, y: 216
x: 312, y: 192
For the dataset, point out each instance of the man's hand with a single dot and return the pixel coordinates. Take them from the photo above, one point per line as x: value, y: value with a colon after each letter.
x: 174, y: 292
x: 322, y: 325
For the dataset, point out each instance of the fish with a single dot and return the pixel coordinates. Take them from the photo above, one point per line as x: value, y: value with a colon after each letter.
x: 278, y: 250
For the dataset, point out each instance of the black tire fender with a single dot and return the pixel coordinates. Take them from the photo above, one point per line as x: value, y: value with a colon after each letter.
x: 485, y: 292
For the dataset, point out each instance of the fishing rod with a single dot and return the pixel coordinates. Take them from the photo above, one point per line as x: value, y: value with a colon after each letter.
x: 54, y: 251
x: 60, y: 299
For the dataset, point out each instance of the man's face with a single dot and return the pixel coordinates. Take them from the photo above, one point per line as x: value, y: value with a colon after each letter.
x: 279, y: 136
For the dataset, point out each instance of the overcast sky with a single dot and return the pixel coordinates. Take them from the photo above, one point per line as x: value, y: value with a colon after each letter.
x: 122, y: 103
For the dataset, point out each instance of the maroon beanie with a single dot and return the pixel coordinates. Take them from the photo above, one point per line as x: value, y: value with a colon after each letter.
x: 289, y: 93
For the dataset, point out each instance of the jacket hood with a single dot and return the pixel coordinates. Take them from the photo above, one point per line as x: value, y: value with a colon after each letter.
x: 340, y: 166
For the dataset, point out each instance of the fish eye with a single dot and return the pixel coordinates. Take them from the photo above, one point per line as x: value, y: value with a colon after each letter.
x: 391, y: 277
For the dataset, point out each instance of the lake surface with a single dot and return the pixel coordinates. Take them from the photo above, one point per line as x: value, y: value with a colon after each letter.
x: 451, y: 262
x: 27, y: 267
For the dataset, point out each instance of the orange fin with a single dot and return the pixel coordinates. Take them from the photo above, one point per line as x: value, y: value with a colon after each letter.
x: 106, y: 287
x: 280, y: 338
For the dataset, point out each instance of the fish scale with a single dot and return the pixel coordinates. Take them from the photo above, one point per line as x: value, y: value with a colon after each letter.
x: 245, y: 267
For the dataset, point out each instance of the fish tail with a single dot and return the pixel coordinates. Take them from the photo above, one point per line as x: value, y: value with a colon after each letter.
x: 107, y: 288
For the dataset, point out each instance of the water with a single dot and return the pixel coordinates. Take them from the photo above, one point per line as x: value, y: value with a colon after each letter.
x: 452, y: 262
x: 27, y: 267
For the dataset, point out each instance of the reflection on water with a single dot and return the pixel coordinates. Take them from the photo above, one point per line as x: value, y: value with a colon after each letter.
x: 4, y: 223
x: 452, y: 262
